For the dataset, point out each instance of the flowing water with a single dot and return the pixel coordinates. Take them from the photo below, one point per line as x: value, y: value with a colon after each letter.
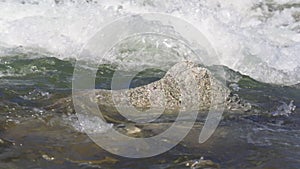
x: 33, y: 137
x: 40, y: 42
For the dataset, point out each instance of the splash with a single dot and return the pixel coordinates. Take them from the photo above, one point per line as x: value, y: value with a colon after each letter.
x: 257, y: 38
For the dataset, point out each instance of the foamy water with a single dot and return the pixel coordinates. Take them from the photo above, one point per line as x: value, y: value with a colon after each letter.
x: 256, y: 37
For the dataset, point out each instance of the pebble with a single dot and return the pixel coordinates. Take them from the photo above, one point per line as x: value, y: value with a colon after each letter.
x: 48, y: 158
x: 201, y: 163
x: 133, y: 130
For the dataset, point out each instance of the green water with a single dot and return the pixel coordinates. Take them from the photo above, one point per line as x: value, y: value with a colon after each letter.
x: 32, y: 137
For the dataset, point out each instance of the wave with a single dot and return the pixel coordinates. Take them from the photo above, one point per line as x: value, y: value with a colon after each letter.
x: 258, y: 38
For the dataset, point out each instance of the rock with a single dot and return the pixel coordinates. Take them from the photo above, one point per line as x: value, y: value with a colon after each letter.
x: 234, y: 102
x: 48, y: 158
x: 6, y: 142
x: 129, y: 129
x: 201, y: 164
x: 186, y: 86
x: 133, y: 130
x: 106, y: 160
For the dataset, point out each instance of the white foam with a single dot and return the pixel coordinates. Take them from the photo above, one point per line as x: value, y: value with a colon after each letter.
x: 258, y: 38
x: 87, y: 124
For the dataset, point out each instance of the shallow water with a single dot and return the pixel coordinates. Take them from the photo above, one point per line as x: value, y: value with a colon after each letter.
x: 32, y: 137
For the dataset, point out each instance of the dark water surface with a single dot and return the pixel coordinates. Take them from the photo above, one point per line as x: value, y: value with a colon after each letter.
x: 32, y: 137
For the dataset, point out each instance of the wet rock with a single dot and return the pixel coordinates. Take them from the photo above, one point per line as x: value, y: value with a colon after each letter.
x: 129, y: 129
x: 47, y: 157
x: 186, y: 86
x: 201, y: 164
x: 133, y: 130
x: 6, y: 142
x: 234, y: 102
x: 183, y: 86
x: 106, y: 160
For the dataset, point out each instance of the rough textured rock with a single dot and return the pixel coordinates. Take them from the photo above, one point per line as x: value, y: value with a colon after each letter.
x: 186, y: 86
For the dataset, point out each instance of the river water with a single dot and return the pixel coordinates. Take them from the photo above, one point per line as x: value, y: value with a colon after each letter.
x: 33, y: 137
x: 257, y: 42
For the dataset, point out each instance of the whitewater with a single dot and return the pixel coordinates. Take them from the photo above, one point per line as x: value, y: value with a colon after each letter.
x: 259, y: 38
